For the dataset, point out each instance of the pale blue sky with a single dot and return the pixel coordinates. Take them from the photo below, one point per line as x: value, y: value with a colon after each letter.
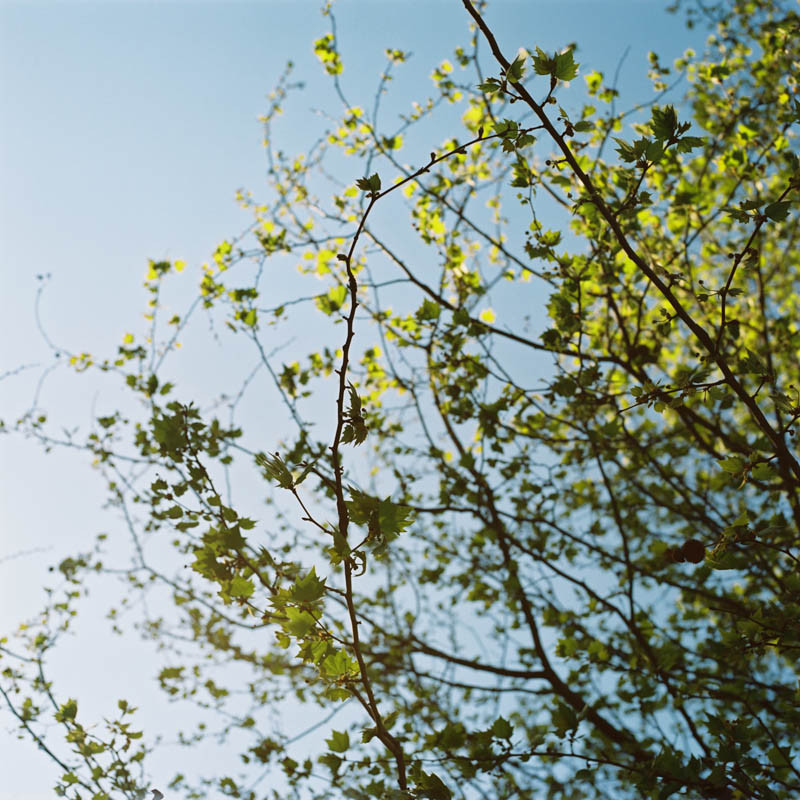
x: 126, y: 129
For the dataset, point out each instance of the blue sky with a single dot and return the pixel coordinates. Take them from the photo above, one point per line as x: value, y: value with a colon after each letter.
x: 127, y: 128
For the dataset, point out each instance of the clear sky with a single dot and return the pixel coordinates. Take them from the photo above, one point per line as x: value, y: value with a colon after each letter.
x: 126, y: 129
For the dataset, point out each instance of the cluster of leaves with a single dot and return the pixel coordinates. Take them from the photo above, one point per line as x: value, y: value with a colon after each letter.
x: 582, y: 585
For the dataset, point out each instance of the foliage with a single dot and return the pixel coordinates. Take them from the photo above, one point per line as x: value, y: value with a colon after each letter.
x: 561, y: 564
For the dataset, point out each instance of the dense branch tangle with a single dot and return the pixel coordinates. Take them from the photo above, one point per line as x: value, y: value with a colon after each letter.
x: 574, y: 564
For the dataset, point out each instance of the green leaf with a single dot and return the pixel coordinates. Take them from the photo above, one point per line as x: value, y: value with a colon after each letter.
x: 368, y: 734
x: 664, y: 122
x: 384, y: 518
x: 276, y: 469
x: 734, y: 464
x: 339, y: 741
x: 308, y: 589
x: 654, y: 151
x: 565, y: 67
x: 451, y: 737
x: 542, y: 63
x: 331, y: 761
x: 241, y: 588
x: 371, y: 184
x: 564, y: 718
x: 687, y: 143
x: 502, y: 729
x: 355, y: 430
x: 763, y: 472
x: 67, y: 711
x: 431, y: 786
x: 299, y: 622
x: 777, y: 211
x: 516, y: 70
x: 490, y: 86
x: 428, y: 311
x: 736, y: 213
x: 750, y: 205
x: 753, y: 364
x: 625, y: 150
x: 777, y: 757
x: 331, y: 302
x: 339, y: 665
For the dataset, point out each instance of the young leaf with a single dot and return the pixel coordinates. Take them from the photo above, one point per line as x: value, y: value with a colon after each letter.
x: 355, y: 429
x: 490, y: 86
x: 276, y: 470
x: 516, y: 69
x: 565, y: 67
x: 371, y: 184
x: 625, y: 150
x: 542, y: 63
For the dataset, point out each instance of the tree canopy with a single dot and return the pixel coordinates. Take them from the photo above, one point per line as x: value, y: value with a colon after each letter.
x: 556, y: 563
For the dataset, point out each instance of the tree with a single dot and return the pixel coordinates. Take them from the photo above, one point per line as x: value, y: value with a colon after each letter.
x: 555, y: 564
